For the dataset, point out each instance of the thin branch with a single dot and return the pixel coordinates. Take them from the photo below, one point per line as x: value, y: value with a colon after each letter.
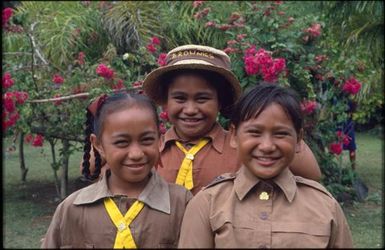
x: 37, y: 51
x: 59, y: 98
x: 20, y: 53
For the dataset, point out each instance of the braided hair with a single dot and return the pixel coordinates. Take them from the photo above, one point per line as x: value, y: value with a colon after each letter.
x: 96, y: 113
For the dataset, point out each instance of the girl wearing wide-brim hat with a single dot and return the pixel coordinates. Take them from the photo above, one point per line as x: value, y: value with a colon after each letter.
x: 194, y: 86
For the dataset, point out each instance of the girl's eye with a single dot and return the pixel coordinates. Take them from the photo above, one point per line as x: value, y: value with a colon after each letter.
x: 254, y: 132
x: 121, y: 143
x: 281, y: 134
x: 148, y: 140
x: 179, y: 99
x: 202, y: 99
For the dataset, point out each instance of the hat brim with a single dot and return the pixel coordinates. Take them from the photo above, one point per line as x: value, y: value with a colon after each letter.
x: 152, y: 84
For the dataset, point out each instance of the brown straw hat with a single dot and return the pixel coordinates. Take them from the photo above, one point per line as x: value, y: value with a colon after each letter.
x: 195, y: 57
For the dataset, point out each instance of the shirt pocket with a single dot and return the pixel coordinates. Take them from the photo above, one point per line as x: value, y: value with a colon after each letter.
x: 300, y: 235
x: 233, y: 233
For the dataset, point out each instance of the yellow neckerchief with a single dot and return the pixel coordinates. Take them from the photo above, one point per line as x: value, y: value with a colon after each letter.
x: 185, y: 177
x: 124, y: 237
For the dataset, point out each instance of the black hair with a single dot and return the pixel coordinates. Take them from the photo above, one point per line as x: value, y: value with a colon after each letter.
x: 253, y: 102
x: 225, y: 97
x: 94, y: 124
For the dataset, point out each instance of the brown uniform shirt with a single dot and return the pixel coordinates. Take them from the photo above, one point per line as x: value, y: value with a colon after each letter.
x: 214, y: 159
x: 81, y: 220
x: 299, y: 213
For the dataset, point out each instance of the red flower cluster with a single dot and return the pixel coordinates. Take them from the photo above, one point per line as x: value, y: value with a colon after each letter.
x: 308, y: 107
x: 154, y: 42
x: 345, y: 139
x: 57, y: 79
x: 202, y: 13
x: 164, y: 115
x: 351, y: 86
x: 196, y: 4
x: 119, y: 85
x: 81, y: 56
x: 335, y: 148
x: 314, y: 30
x: 37, y: 141
x: 105, y: 72
x: 6, y: 15
x: 7, y: 80
x: 162, y: 59
x: 10, y: 114
x: 261, y: 62
x: 320, y: 58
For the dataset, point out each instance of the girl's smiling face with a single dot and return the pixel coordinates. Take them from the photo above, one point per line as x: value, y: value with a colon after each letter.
x: 129, y: 143
x: 267, y: 143
x: 192, y: 105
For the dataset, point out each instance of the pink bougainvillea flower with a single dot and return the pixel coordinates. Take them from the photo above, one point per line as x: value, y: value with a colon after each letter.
x: 21, y: 96
x: 314, y: 30
x: 164, y: 115
x: 162, y: 59
x: 81, y: 56
x: 210, y: 24
x: 320, y: 58
x: 155, y: 40
x: 8, y: 102
x: 105, y: 72
x: 335, y: 148
x: 230, y: 50
x: 7, y: 80
x: 308, y: 107
x: 137, y: 84
x: 151, y: 48
x: 241, y: 36
x: 351, y: 86
x: 6, y: 15
x: 58, y: 102
x: 38, y: 141
x: 119, y: 85
x: 57, y: 79
x: 346, y: 140
x: 196, y: 4
x: 28, y: 138
x: 162, y: 128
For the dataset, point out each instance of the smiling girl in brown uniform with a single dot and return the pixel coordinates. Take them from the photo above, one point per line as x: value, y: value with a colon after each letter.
x: 264, y: 205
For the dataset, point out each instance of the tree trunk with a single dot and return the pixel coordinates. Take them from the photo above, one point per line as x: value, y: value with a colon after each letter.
x: 23, y: 169
x: 54, y: 166
x: 64, y: 170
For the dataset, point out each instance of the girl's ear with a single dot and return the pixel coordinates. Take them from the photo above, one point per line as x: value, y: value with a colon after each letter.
x: 298, y: 145
x: 233, y: 138
x: 95, y: 143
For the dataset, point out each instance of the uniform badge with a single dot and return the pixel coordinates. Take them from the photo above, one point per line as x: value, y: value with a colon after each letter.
x: 264, y: 196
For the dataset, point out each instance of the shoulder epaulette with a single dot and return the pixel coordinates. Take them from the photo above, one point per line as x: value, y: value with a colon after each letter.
x: 312, y: 184
x: 220, y: 178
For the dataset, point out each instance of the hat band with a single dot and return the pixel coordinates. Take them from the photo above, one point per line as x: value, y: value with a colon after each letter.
x: 196, y: 57
x: 192, y: 61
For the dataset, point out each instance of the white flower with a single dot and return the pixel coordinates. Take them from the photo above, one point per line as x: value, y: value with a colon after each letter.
x: 125, y: 56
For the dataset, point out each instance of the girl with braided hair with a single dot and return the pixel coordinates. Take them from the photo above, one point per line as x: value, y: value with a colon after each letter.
x: 131, y: 205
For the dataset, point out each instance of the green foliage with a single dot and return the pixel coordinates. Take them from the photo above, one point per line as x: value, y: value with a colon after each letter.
x: 116, y: 34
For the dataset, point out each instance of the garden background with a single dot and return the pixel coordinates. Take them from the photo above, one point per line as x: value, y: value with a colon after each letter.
x: 57, y: 56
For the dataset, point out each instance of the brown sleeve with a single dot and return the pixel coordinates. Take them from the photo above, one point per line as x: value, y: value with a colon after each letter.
x: 340, y: 236
x: 52, y: 237
x: 305, y: 164
x: 196, y: 230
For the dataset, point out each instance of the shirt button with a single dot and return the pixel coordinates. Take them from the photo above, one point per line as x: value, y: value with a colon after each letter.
x: 263, y: 216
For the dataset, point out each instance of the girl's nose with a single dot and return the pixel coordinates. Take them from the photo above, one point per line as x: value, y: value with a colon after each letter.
x: 135, y: 152
x: 190, y: 108
x: 267, y: 144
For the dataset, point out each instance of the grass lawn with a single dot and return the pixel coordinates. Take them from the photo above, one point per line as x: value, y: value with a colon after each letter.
x: 27, y: 208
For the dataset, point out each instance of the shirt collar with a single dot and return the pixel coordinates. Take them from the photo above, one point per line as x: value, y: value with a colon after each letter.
x: 155, y: 194
x: 246, y: 180
x: 217, y: 136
